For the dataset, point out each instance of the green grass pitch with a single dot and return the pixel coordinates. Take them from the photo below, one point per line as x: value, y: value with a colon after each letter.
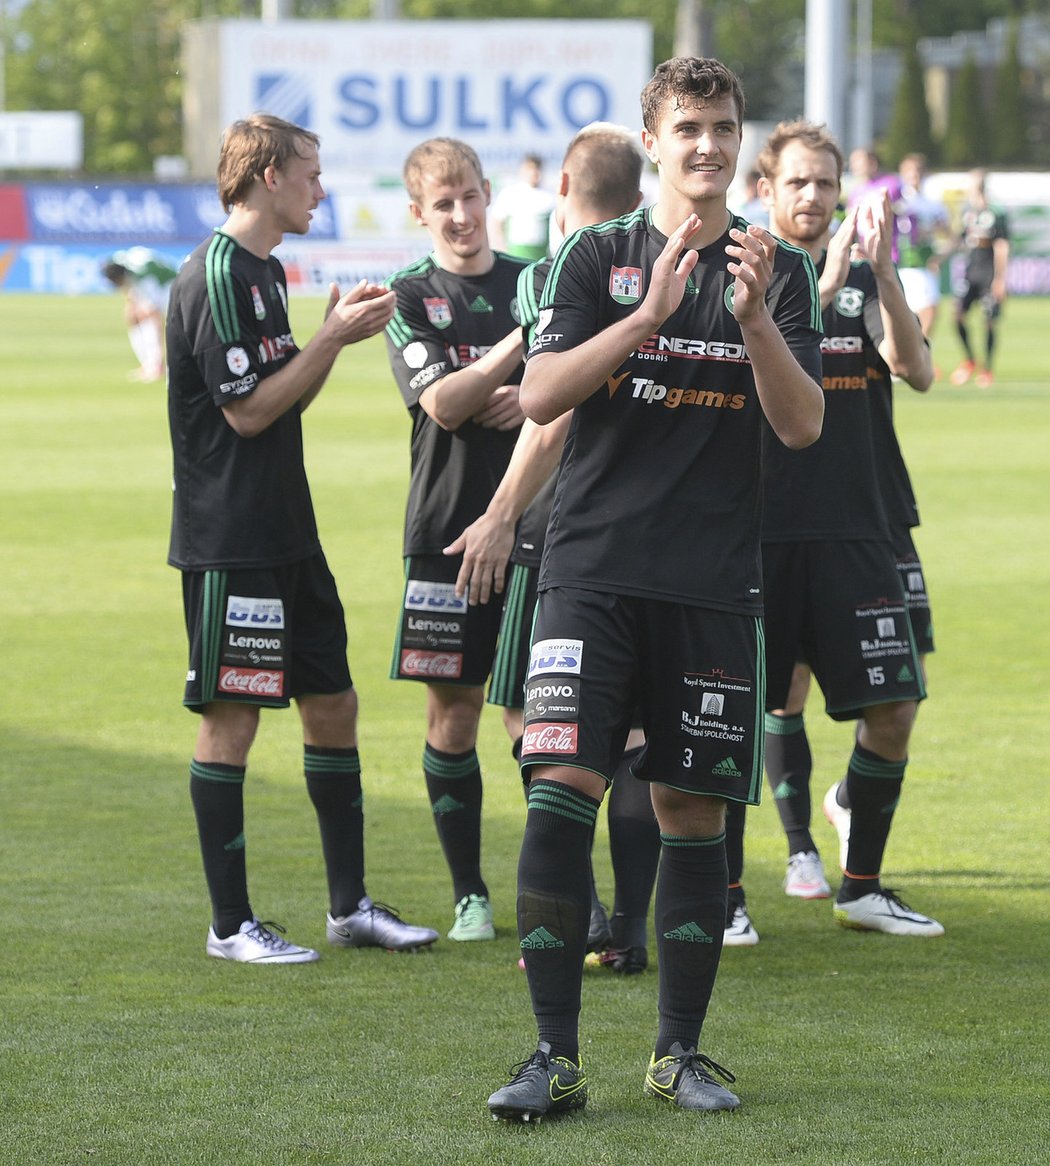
x: 121, y: 1043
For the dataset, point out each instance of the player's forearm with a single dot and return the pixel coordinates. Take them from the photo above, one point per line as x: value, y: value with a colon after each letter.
x: 556, y: 382
x: 903, y: 346
x: 459, y: 395
x: 296, y: 384
x: 535, y: 457
x: 792, y: 402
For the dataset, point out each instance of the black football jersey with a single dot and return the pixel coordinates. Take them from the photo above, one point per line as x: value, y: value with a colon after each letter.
x: 444, y: 322
x: 238, y: 502
x: 658, y: 492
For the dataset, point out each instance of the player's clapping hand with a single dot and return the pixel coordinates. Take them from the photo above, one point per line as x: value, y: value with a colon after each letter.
x: 671, y: 273
x: 837, y: 259
x: 502, y: 410
x: 875, y: 232
x: 751, y: 262
x: 363, y: 311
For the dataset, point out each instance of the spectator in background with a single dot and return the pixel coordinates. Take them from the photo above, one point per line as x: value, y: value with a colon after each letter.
x: 867, y: 182
x: 145, y: 278
x: 922, y: 240
x: 522, y: 211
x: 985, y: 241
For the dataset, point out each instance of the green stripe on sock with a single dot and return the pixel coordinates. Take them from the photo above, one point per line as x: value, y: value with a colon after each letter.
x: 227, y: 774
x: 449, y: 769
x: 877, y: 767
x: 563, y: 801
x: 783, y: 726
x: 676, y: 841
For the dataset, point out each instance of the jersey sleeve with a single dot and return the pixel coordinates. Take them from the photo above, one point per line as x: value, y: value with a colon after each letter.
x: 569, y: 304
x: 531, y: 281
x: 796, y: 313
x: 416, y: 348
x: 226, y: 344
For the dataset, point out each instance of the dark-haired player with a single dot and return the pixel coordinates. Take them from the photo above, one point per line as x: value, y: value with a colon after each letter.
x: 670, y: 333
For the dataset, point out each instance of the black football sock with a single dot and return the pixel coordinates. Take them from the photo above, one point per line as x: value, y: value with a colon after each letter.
x: 554, y: 908
x: 333, y: 780
x: 964, y: 338
x: 789, y: 766
x: 454, y: 788
x: 690, y: 924
x: 873, y: 789
x: 736, y: 820
x: 634, y: 847
x: 217, y: 793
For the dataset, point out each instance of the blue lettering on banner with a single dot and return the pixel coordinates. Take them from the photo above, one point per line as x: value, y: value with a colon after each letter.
x: 425, y: 102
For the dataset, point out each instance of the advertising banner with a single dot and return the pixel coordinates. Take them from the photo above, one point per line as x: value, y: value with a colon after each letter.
x: 373, y: 90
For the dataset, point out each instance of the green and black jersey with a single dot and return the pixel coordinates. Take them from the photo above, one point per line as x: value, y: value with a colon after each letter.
x: 238, y: 502
x: 831, y: 490
x: 659, y: 491
x: 445, y: 322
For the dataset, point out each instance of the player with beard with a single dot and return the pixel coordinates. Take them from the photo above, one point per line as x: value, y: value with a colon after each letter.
x: 455, y: 351
x: 833, y: 593
x: 670, y: 333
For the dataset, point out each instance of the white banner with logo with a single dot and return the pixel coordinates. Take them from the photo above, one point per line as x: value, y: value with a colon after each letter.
x: 374, y: 89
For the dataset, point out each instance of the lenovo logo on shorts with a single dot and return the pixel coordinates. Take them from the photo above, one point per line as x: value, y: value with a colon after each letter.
x: 251, y: 682
x: 549, y: 738
x: 432, y: 665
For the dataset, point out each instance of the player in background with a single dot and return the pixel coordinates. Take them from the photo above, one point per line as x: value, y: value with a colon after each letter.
x: 923, y: 238
x: 455, y: 350
x: 600, y: 179
x: 521, y: 212
x: 670, y: 334
x: 833, y: 593
x: 263, y: 617
x: 145, y: 278
x: 985, y: 242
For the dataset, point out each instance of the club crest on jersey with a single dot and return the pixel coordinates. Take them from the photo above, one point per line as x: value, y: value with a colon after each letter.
x: 438, y: 312
x: 625, y: 284
x: 850, y: 302
x: 237, y: 361
x: 257, y: 300
x: 730, y: 297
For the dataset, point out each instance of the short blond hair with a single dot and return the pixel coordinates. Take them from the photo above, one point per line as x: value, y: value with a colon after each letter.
x: 443, y: 159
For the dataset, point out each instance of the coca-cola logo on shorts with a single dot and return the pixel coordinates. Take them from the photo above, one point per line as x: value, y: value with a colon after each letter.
x: 433, y: 665
x: 251, y: 681
x: 548, y: 737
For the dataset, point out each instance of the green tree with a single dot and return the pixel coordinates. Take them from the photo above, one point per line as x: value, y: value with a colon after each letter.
x: 1011, y: 113
x: 909, y: 128
x: 114, y: 61
x: 966, y: 138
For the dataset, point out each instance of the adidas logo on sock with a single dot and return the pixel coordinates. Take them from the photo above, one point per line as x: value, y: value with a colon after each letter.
x: 688, y: 933
x: 446, y: 804
x: 726, y: 768
x: 540, y: 939
x: 784, y: 790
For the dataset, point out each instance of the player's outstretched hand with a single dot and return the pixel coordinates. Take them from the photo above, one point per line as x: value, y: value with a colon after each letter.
x: 751, y: 262
x: 875, y: 232
x: 363, y: 311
